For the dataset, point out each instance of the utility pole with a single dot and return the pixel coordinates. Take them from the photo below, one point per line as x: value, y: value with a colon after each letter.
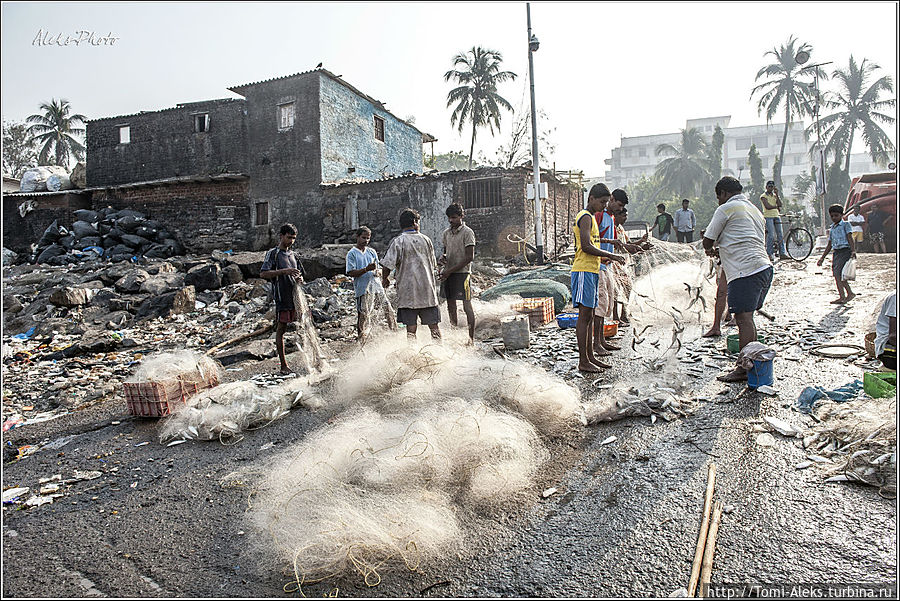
x: 533, y: 45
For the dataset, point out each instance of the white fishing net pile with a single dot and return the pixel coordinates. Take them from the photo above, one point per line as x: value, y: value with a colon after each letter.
x: 392, y: 378
x: 371, y: 490
x: 223, y: 412
x: 188, y: 366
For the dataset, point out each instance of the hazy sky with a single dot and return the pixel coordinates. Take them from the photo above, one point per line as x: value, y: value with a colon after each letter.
x: 604, y: 70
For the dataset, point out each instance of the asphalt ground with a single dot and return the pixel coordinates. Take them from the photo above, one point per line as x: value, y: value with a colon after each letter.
x: 159, y: 523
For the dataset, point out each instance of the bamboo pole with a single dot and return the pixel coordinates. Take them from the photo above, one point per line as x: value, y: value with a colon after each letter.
x: 710, y: 549
x: 240, y: 338
x: 704, y: 528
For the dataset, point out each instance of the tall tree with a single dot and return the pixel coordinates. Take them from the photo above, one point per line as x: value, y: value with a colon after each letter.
x: 757, y: 179
x: 55, y: 130
x: 858, y: 106
x: 476, y: 98
x: 782, y: 88
x: 517, y: 150
x: 686, y: 171
x: 19, y: 152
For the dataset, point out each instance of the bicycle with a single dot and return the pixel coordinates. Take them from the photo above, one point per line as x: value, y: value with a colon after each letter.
x: 798, y: 242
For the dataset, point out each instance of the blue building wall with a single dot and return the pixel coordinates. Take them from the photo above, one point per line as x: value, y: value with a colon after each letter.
x: 347, y: 137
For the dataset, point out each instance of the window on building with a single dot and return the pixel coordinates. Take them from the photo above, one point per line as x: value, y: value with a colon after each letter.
x: 124, y: 134
x: 379, y: 128
x: 262, y: 213
x: 482, y: 193
x: 201, y: 123
x: 796, y: 138
x: 798, y: 160
x: 286, y: 116
x: 742, y: 143
x: 761, y: 141
x: 627, y: 153
x: 642, y: 151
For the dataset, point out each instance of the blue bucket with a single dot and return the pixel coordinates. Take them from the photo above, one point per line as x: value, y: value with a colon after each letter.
x: 761, y: 374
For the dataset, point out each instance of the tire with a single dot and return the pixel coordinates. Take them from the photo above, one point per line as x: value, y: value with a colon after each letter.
x: 799, y: 243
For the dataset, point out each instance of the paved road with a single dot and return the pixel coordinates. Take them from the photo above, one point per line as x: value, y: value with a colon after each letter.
x: 624, y: 522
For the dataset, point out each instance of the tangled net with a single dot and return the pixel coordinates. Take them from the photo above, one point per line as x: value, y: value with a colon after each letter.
x: 370, y: 488
x: 860, y: 437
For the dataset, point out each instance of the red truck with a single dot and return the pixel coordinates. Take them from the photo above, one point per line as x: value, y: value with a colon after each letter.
x: 876, y: 190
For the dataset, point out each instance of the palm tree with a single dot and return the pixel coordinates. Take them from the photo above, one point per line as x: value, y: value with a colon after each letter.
x: 782, y: 88
x: 685, y: 172
x: 54, y: 131
x: 858, y: 108
x: 477, y: 99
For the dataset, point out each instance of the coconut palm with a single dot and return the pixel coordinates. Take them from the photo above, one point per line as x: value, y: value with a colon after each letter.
x: 685, y: 172
x: 54, y: 132
x: 782, y: 88
x: 477, y: 101
x: 858, y: 106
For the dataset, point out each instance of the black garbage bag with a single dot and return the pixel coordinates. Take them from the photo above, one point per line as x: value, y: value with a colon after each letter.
x: 51, y: 234
x: 104, y: 227
x: 119, y: 249
x: 146, y: 232
x: 86, y: 215
x: 89, y: 241
x: 131, y: 213
x: 158, y: 251
x: 134, y: 241
x: 127, y: 224
x: 67, y: 242
x: 82, y: 229
x: 176, y: 246
x: 61, y: 260
x: 54, y: 250
x: 115, y: 233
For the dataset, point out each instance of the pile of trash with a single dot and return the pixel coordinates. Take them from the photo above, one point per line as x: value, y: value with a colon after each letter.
x: 108, y: 234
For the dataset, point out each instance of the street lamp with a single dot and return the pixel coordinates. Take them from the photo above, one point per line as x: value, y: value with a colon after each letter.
x: 801, y: 58
x: 533, y: 45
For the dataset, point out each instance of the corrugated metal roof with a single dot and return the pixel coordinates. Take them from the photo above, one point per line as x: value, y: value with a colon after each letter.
x: 20, y: 194
x: 221, y: 177
x: 179, y: 106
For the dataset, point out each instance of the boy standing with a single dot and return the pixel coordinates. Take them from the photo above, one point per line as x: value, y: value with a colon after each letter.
x: 411, y: 255
x: 856, y: 220
x: 663, y: 223
x: 840, y: 239
x: 459, y: 252
x: 281, y: 265
x: 685, y: 222
x: 606, y: 289
x: 362, y: 262
x: 586, y: 275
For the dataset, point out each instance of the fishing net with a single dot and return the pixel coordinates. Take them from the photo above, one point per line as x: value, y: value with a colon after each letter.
x: 310, y: 354
x: 227, y: 410
x: 393, y: 377
x: 371, y: 491
x: 860, y: 439
x: 180, y: 365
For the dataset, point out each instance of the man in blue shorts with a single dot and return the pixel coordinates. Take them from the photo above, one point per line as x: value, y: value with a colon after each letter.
x: 739, y: 230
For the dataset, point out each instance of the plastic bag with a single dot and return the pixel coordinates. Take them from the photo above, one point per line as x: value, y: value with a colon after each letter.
x: 849, y: 272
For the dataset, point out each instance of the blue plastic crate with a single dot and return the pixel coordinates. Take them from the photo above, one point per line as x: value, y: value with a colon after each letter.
x: 567, y: 320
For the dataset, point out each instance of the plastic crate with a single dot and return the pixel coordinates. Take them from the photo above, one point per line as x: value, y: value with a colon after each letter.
x: 161, y: 398
x: 539, y: 310
x: 880, y: 384
x: 567, y: 320
x: 733, y: 342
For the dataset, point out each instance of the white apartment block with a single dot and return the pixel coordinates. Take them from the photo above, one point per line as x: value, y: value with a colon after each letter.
x: 636, y: 156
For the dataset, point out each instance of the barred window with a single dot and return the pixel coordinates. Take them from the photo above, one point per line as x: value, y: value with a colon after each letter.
x: 262, y: 213
x: 481, y: 193
x: 379, y: 128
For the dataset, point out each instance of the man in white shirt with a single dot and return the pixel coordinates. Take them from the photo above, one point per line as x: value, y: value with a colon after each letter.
x: 738, y: 229
x: 886, y: 333
x: 856, y: 220
x: 685, y: 222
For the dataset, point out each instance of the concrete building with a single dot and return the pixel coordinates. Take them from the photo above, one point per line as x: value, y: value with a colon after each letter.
x: 636, y: 156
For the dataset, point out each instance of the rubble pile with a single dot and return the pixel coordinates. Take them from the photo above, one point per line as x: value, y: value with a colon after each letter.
x: 108, y: 234
x: 73, y: 334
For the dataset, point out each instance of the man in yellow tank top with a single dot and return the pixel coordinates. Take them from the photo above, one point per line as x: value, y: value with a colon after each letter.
x: 772, y: 207
x: 585, y: 276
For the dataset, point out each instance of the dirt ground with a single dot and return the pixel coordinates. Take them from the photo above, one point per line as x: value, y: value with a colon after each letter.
x: 156, y: 521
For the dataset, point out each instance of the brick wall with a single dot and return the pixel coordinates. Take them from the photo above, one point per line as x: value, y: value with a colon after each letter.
x: 378, y: 205
x: 203, y: 216
x: 19, y: 233
x: 164, y: 145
